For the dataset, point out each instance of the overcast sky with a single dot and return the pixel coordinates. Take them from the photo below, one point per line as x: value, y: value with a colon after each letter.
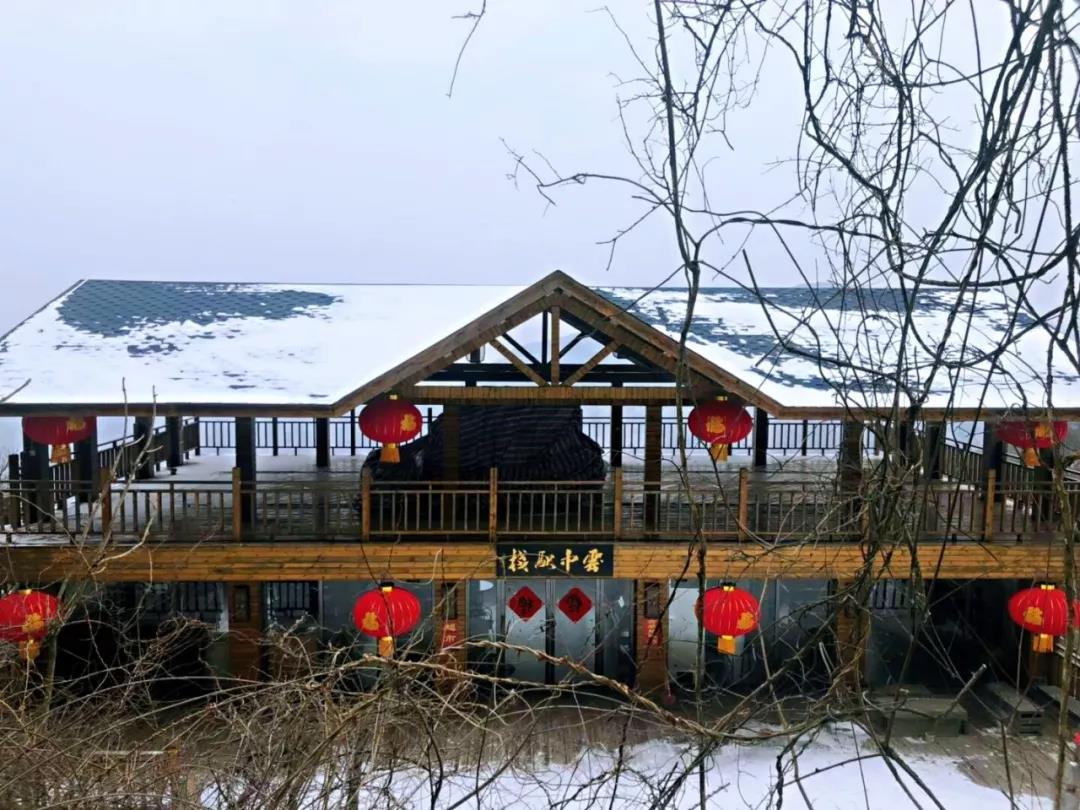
x: 304, y: 141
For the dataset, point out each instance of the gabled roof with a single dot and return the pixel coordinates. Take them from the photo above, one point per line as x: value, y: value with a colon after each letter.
x: 321, y: 349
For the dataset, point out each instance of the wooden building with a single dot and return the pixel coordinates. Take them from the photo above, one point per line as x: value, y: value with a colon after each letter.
x: 252, y: 495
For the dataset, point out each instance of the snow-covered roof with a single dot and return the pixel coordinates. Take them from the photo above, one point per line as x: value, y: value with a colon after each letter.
x: 840, y: 347
x: 174, y: 342
x: 311, y: 345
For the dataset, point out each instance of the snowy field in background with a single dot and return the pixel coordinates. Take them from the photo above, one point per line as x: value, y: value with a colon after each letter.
x: 837, y: 771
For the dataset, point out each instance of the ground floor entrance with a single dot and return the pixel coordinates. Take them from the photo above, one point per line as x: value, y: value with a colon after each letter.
x: 576, y: 623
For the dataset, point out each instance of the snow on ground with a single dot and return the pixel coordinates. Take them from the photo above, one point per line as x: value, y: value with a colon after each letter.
x: 836, y: 771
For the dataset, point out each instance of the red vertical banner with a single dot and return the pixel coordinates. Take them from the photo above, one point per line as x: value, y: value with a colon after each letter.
x: 450, y: 635
x: 652, y: 633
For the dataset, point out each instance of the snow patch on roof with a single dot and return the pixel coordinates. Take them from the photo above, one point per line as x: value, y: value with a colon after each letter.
x: 295, y: 344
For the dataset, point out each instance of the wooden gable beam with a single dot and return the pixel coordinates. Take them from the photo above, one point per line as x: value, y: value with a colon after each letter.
x: 516, y: 361
x: 591, y: 363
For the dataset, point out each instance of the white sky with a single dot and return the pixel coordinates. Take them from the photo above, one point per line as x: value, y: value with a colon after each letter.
x: 284, y: 141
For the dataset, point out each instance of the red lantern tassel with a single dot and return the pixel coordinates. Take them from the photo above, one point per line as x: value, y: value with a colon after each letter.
x: 726, y: 645
x: 719, y: 452
x: 1031, y: 457
x: 1042, y: 643
x: 390, y: 454
x: 386, y: 646
x: 29, y: 649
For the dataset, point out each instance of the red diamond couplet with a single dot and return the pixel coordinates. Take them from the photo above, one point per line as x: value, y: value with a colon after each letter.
x: 525, y: 603
x: 575, y: 604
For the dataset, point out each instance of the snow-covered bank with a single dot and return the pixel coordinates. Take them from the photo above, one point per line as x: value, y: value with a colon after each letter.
x: 838, y: 770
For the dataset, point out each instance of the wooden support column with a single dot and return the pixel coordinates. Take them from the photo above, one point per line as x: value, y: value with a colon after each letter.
x: 14, y: 510
x: 850, y: 462
x: 322, y: 442
x: 87, y: 467
x: 37, y: 498
x: 450, y: 623
x: 993, y: 454
x: 902, y: 451
x: 933, y: 447
x: 174, y: 442
x: 653, y: 467
x: 144, y: 447
x: 245, y: 463
x: 850, y: 473
x: 245, y: 630
x: 451, y: 430
x: 615, y: 438
x: 761, y: 438
x: 651, y: 636
x: 852, y: 626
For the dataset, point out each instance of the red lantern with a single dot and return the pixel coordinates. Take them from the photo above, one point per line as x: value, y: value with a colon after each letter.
x: 729, y: 612
x: 59, y: 431
x: 390, y: 422
x: 24, y: 620
x: 720, y: 423
x: 385, y: 612
x: 1043, y: 611
x: 1031, y: 437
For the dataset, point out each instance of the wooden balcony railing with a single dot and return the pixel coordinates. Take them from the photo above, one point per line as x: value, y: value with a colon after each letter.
x: 737, y: 508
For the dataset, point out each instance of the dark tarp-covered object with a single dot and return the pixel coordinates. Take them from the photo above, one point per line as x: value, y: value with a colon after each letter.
x: 524, y: 442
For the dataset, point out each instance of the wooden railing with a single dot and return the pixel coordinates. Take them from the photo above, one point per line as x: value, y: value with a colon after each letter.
x: 292, y: 436
x: 737, y: 508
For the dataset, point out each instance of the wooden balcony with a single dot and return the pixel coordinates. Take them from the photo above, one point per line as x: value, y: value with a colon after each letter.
x: 775, y: 506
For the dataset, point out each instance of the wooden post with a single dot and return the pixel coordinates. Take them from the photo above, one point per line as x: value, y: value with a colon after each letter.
x: 322, y: 442
x: 174, y: 442
x: 493, y: 503
x: 37, y: 498
x: 245, y: 629
x: 275, y: 447
x: 761, y: 438
x: 805, y: 437
x: 651, y: 636
x: 653, y: 467
x: 352, y: 432
x: 365, y: 503
x: 852, y: 625
x: 451, y: 429
x: 988, y: 504
x: 617, y: 475
x: 198, y: 437
x: 993, y: 456
x: 106, y: 501
x: 556, y: 345
x: 615, y: 440
x: 245, y: 463
x: 933, y: 446
x: 237, y: 505
x: 143, y: 434
x: 744, y: 503
x: 451, y: 624
x: 14, y: 510
x: 87, y: 467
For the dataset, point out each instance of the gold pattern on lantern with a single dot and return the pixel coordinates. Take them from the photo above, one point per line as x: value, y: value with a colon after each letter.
x: 1033, y: 616
x: 746, y: 621
x: 371, y: 621
x: 34, y: 624
x: 408, y: 422
x: 716, y: 424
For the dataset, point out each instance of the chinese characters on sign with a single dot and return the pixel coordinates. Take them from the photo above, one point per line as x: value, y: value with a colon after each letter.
x: 556, y: 559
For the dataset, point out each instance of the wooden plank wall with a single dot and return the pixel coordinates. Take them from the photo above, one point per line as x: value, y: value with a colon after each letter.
x: 270, y: 562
